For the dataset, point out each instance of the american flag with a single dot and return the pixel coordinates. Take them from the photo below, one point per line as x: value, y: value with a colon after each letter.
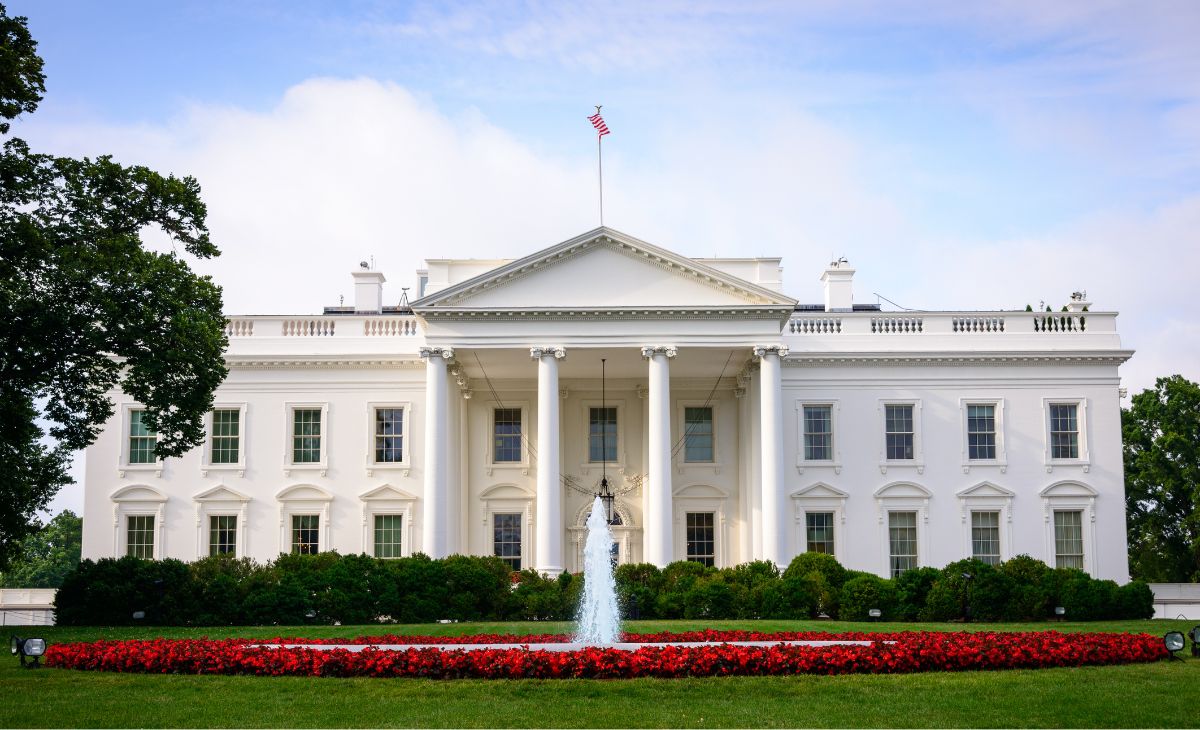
x: 598, y: 122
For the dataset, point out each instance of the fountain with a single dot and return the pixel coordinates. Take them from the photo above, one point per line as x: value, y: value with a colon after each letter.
x: 599, y: 620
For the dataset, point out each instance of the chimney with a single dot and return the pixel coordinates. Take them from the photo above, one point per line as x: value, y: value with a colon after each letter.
x: 368, y: 291
x: 839, y: 292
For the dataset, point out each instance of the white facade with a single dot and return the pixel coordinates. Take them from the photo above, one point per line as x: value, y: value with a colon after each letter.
x: 493, y: 376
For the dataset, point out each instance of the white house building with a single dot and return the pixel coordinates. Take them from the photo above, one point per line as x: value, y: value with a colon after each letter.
x: 733, y: 423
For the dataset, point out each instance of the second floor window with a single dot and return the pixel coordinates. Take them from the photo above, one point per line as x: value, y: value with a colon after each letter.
x: 698, y: 434
x: 306, y: 436
x: 226, y: 435
x: 506, y: 435
x: 899, y: 432
x: 389, y: 435
x: 1064, y: 431
x: 818, y: 433
x: 981, y: 431
x: 141, y: 439
x: 602, y: 434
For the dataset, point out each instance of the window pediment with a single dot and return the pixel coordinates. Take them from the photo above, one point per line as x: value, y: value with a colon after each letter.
x: 220, y: 493
x: 820, y: 490
x: 700, y: 491
x: 138, y: 493
x: 903, y: 490
x: 304, y: 493
x: 986, y: 490
x: 1068, y: 489
x: 505, y: 491
x: 386, y: 493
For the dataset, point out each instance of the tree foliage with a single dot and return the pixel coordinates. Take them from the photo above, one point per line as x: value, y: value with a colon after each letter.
x: 48, y: 555
x: 88, y: 307
x: 1162, y: 481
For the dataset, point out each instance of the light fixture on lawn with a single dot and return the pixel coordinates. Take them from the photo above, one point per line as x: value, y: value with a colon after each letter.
x: 1195, y: 636
x: 139, y: 615
x: 607, y: 498
x: 1174, y: 642
x: 28, y: 648
x: 875, y: 614
x: 1060, y: 612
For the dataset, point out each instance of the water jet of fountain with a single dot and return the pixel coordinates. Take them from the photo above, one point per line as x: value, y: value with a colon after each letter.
x: 599, y: 620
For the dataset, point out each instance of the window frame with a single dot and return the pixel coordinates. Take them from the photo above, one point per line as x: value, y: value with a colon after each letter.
x: 387, y: 500
x: 832, y: 526
x: 677, y: 428
x: 918, y: 460
x: 819, y: 497
x: 206, y: 462
x: 903, y: 496
x: 1081, y: 416
x: 303, y: 499
x: 508, y: 497
x: 1054, y: 513
x: 404, y: 466
x: 373, y: 526
x: 138, y: 500
x: 713, y: 515
x: 237, y: 531
x: 527, y: 436
x: 712, y: 434
x: 987, y: 497
x: 1001, y: 459
x: 1071, y: 495
x: 289, y: 411
x: 917, y: 556
x: 585, y: 410
x: 999, y: 532
x: 291, y: 530
x: 523, y: 555
x: 835, y: 462
x: 124, y: 465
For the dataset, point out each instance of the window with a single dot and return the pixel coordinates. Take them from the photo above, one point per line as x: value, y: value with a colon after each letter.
x: 1064, y: 431
x: 226, y: 436
x: 140, y: 536
x: 387, y: 535
x: 141, y: 439
x: 602, y: 434
x: 981, y: 431
x: 985, y: 537
x: 898, y: 432
x: 818, y: 433
x: 902, y: 541
x: 306, y: 436
x: 389, y: 435
x: 819, y: 532
x: 701, y: 538
x: 222, y: 534
x: 1068, y: 539
x: 697, y: 434
x: 506, y: 434
x: 306, y: 534
x: 506, y: 538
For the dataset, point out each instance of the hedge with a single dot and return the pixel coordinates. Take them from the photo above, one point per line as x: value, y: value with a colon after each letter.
x: 357, y: 589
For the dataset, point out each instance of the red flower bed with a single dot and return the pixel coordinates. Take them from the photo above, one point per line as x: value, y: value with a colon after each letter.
x: 911, y: 652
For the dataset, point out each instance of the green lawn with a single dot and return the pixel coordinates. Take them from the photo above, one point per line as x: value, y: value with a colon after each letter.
x: 1160, y: 695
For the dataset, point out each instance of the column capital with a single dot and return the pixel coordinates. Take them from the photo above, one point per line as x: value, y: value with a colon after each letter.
x: 761, y: 351
x: 446, y: 353
x: 650, y: 351
x: 557, y: 351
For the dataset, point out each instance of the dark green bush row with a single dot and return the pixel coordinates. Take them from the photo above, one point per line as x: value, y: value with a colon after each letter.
x: 356, y: 589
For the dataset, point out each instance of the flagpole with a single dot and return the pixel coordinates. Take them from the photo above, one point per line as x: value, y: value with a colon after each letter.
x: 600, y: 168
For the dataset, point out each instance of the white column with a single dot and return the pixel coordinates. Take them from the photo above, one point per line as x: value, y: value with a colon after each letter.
x: 548, y: 543
x: 435, y: 499
x: 774, y: 532
x: 658, y: 533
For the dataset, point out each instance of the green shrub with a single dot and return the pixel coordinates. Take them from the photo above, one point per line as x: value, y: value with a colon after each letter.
x: 862, y: 593
x: 912, y: 591
x: 710, y: 597
x: 678, y: 579
x: 638, y: 586
x: 1029, y: 598
x: 1135, y: 600
x: 829, y: 577
x: 955, y: 597
x: 794, y: 596
x: 750, y: 583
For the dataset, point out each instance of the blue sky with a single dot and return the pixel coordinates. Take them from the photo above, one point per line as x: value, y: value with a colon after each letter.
x: 961, y: 155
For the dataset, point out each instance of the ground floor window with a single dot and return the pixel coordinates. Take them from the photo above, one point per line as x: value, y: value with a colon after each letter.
x: 387, y: 535
x: 506, y: 538
x: 818, y: 528
x: 902, y: 541
x: 985, y: 537
x: 701, y: 538
x: 305, y: 534
x: 140, y: 536
x: 222, y: 534
x: 1068, y: 539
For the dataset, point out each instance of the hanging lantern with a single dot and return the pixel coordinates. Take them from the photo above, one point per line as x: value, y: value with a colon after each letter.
x: 607, y: 498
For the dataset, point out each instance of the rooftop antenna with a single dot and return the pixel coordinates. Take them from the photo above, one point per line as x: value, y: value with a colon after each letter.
x: 403, y: 297
x: 889, y: 301
x: 364, y: 266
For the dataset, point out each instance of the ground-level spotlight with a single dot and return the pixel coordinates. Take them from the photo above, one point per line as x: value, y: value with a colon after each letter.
x: 32, y: 649
x: 1174, y: 642
x: 1060, y: 612
x: 1195, y: 634
x: 139, y: 615
x: 874, y: 613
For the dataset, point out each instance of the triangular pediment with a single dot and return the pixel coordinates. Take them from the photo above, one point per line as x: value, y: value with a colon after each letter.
x: 985, y: 490
x: 820, y: 490
x: 220, y: 493
x: 599, y: 270
x: 386, y: 493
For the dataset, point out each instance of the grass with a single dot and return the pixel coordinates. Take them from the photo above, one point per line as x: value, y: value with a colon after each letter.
x: 1153, y: 695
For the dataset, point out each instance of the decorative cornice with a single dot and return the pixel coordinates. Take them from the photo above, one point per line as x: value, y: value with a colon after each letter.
x: 650, y: 351
x: 308, y: 361
x: 446, y: 353
x: 761, y: 351
x: 560, y: 314
x: 557, y: 351
x: 819, y: 359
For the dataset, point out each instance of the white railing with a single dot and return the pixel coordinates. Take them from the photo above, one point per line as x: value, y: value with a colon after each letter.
x: 978, y: 324
x: 815, y: 325
x: 896, y: 324
x: 259, y: 327
x: 309, y: 327
x: 239, y: 327
x: 1060, y: 323
x: 390, y: 327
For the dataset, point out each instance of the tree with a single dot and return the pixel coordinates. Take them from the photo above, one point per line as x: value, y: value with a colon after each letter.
x: 87, y: 307
x: 48, y: 555
x: 1162, y: 481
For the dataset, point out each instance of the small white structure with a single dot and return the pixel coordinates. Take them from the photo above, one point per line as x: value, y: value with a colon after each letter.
x: 27, y: 606
x: 738, y: 424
